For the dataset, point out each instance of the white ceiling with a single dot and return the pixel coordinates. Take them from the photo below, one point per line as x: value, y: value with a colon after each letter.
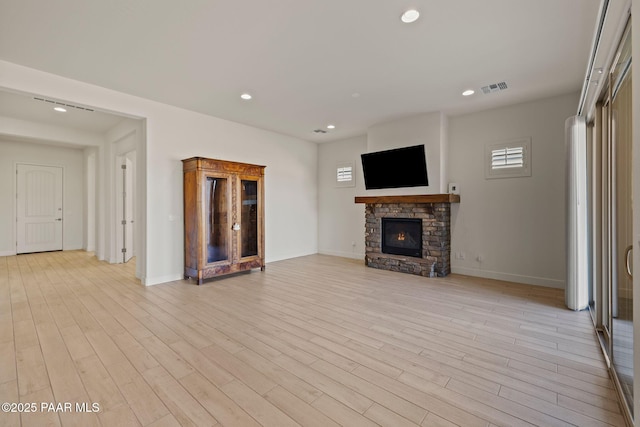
x: 303, y: 60
x: 41, y: 110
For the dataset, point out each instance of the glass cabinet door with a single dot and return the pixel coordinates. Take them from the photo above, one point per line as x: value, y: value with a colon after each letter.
x: 248, y: 218
x: 216, y: 219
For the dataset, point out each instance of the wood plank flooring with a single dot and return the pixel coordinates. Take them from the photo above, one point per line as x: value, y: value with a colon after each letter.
x: 312, y: 341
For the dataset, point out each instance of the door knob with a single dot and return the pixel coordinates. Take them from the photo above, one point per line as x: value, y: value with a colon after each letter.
x: 236, y: 227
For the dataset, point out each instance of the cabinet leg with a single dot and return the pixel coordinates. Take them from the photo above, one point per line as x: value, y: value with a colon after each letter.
x: 263, y: 268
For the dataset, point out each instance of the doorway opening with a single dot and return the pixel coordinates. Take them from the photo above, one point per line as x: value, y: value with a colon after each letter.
x: 84, y: 149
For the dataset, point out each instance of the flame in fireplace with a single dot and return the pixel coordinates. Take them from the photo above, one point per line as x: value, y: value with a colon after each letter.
x: 401, y: 235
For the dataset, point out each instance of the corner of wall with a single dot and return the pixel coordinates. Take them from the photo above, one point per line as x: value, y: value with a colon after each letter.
x: 444, y: 153
x: 503, y: 228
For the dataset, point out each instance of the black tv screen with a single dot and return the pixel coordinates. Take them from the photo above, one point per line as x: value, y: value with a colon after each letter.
x: 401, y: 167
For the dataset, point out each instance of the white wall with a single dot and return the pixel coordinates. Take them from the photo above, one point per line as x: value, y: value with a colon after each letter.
x: 516, y: 225
x: 124, y: 138
x: 291, y: 189
x: 173, y: 134
x: 444, y: 154
x: 427, y: 129
x: 12, y: 152
x: 48, y: 133
x: 90, y: 185
x: 341, y: 221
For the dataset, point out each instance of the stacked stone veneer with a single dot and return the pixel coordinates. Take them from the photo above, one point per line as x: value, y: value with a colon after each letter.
x: 436, y: 238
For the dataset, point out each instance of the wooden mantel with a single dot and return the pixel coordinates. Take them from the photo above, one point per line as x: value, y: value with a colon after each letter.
x: 418, y: 198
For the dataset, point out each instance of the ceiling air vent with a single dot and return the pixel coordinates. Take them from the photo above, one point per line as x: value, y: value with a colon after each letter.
x: 320, y: 131
x: 494, y: 87
x: 62, y: 104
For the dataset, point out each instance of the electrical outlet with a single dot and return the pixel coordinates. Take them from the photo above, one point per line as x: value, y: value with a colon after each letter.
x: 463, y: 256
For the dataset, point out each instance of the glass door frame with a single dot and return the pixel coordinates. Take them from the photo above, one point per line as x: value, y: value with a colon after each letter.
x: 603, y: 201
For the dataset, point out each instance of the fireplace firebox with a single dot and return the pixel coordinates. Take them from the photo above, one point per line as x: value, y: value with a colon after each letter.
x: 402, y: 236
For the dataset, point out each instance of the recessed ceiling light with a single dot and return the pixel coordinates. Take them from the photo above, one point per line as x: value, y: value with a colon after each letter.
x: 468, y: 92
x: 246, y: 96
x: 410, y: 16
x: 331, y: 126
x: 60, y: 109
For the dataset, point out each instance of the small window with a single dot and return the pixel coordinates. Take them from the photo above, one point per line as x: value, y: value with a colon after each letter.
x: 345, y: 175
x: 508, y: 160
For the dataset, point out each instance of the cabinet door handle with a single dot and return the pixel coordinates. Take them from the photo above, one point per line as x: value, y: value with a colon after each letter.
x: 628, y: 252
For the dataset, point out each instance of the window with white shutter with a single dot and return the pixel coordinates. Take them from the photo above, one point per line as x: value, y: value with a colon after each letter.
x: 508, y: 160
x: 345, y: 174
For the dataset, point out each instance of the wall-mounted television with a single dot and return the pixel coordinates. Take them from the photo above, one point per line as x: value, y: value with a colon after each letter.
x: 401, y: 167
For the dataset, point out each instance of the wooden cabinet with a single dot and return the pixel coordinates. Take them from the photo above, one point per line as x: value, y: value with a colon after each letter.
x: 223, y: 217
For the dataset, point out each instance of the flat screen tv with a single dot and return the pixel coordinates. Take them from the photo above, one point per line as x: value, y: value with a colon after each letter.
x: 401, y: 167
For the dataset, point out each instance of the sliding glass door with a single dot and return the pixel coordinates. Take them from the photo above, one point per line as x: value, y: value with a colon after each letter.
x: 621, y: 283
x: 611, y: 281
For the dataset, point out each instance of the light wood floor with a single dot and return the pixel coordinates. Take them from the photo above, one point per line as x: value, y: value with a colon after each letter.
x: 317, y: 341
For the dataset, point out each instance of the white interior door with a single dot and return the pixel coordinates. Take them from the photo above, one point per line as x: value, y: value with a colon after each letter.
x: 38, y: 208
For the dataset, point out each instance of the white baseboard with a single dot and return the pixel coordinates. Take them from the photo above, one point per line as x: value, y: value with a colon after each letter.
x: 353, y: 255
x: 281, y: 257
x: 12, y: 253
x: 509, y: 277
x: 150, y: 281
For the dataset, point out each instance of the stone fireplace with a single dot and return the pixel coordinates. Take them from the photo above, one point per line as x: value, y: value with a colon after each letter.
x: 409, y: 234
